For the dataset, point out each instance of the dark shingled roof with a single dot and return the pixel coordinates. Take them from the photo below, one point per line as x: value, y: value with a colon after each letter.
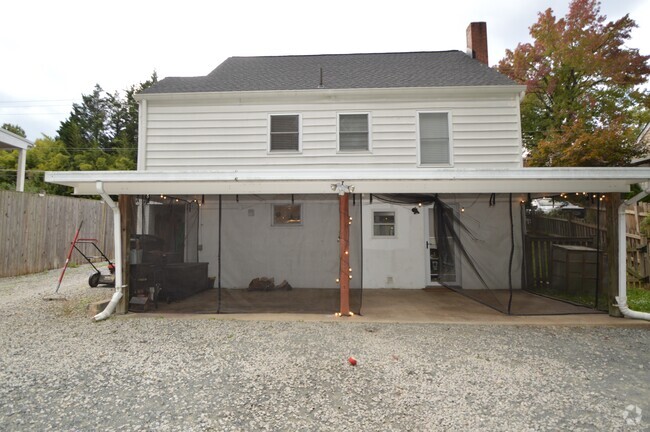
x: 340, y: 71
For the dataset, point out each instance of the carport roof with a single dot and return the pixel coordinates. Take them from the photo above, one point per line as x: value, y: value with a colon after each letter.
x: 424, y: 180
x: 11, y: 141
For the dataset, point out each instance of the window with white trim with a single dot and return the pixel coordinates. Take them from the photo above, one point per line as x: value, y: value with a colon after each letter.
x: 287, y: 214
x: 434, y: 138
x: 383, y: 224
x: 285, y: 133
x: 354, y: 132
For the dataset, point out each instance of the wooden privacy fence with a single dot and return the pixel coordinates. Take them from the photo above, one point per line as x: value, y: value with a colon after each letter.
x: 538, y: 255
x: 638, y: 259
x: 36, y: 231
x: 571, y: 227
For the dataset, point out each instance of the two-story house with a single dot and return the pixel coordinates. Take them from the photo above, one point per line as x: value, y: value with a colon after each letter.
x: 326, y: 170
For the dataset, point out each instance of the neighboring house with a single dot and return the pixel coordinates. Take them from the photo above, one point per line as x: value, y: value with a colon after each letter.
x: 10, y: 141
x: 279, y: 150
x: 644, y: 141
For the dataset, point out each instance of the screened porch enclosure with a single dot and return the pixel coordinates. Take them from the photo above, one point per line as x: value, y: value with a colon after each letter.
x: 250, y: 253
x: 280, y: 253
x: 505, y: 253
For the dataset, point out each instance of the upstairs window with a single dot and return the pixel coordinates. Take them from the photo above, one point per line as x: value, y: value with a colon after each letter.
x: 354, y: 132
x: 285, y: 133
x: 434, y: 139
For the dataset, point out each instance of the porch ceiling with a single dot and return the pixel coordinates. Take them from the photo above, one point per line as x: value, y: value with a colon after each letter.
x: 424, y: 180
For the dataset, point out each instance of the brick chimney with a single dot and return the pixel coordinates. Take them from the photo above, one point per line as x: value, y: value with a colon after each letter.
x: 477, y: 42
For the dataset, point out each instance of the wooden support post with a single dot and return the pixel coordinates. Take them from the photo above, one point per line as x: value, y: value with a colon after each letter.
x: 126, y: 203
x: 20, y: 175
x: 344, y: 253
x: 612, y: 202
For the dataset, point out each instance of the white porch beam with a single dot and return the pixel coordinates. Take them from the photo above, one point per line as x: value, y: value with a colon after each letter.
x: 524, y: 180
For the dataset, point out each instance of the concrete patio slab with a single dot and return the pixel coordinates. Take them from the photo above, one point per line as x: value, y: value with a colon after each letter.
x: 433, y: 305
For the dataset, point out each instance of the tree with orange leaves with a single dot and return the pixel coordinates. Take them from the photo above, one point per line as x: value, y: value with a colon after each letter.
x: 584, y: 102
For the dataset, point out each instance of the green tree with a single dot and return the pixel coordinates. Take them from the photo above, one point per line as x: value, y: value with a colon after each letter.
x: 583, y: 104
x: 9, y: 160
x: 48, y: 154
x: 102, y: 131
x: 14, y: 129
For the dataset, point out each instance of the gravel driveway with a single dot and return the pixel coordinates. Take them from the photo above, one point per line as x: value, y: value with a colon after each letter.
x: 60, y: 371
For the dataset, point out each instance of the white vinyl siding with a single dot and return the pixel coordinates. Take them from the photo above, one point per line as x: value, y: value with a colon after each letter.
x: 203, y: 136
x: 354, y: 132
x: 284, y: 135
x: 434, y: 141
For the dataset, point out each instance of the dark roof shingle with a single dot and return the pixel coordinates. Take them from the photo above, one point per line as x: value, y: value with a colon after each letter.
x: 340, y: 71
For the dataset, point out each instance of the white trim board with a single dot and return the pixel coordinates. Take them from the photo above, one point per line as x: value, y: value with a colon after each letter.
x: 11, y: 141
x: 422, y: 180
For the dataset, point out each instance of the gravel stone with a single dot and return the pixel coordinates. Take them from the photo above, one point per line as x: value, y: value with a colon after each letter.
x: 61, y: 371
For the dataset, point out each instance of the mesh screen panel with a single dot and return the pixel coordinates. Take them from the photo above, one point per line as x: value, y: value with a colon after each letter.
x: 246, y: 254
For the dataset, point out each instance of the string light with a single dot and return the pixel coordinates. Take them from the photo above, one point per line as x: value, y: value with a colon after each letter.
x: 462, y: 209
x: 338, y: 280
x: 339, y: 314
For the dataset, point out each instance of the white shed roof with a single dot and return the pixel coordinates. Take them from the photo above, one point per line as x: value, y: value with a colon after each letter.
x: 11, y: 141
x: 434, y: 180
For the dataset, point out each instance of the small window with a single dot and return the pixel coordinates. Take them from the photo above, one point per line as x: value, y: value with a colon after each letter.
x: 285, y: 133
x: 353, y: 132
x: 434, y: 139
x: 287, y: 214
x: 384, y: 224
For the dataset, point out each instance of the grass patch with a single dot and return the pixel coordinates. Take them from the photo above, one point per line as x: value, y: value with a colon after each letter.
x: 638, y: 299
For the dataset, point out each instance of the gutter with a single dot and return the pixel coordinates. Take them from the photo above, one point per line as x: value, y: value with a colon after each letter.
x: 621, y: 299
x: 117, y: 235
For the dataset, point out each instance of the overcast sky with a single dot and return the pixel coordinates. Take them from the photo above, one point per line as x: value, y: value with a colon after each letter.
x: 54, y: 51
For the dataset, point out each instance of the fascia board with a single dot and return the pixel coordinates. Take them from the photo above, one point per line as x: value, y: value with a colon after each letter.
x: 525, y: 180
x: 13, y: 141
x: 398, y: 93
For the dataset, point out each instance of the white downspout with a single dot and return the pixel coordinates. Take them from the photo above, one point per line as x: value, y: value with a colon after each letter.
x: 621, y: 299
x: 117, y: 235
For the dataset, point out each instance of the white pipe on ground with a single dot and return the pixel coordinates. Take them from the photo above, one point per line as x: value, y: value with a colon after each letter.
x: 621, y: 299
x: 117, y: 235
